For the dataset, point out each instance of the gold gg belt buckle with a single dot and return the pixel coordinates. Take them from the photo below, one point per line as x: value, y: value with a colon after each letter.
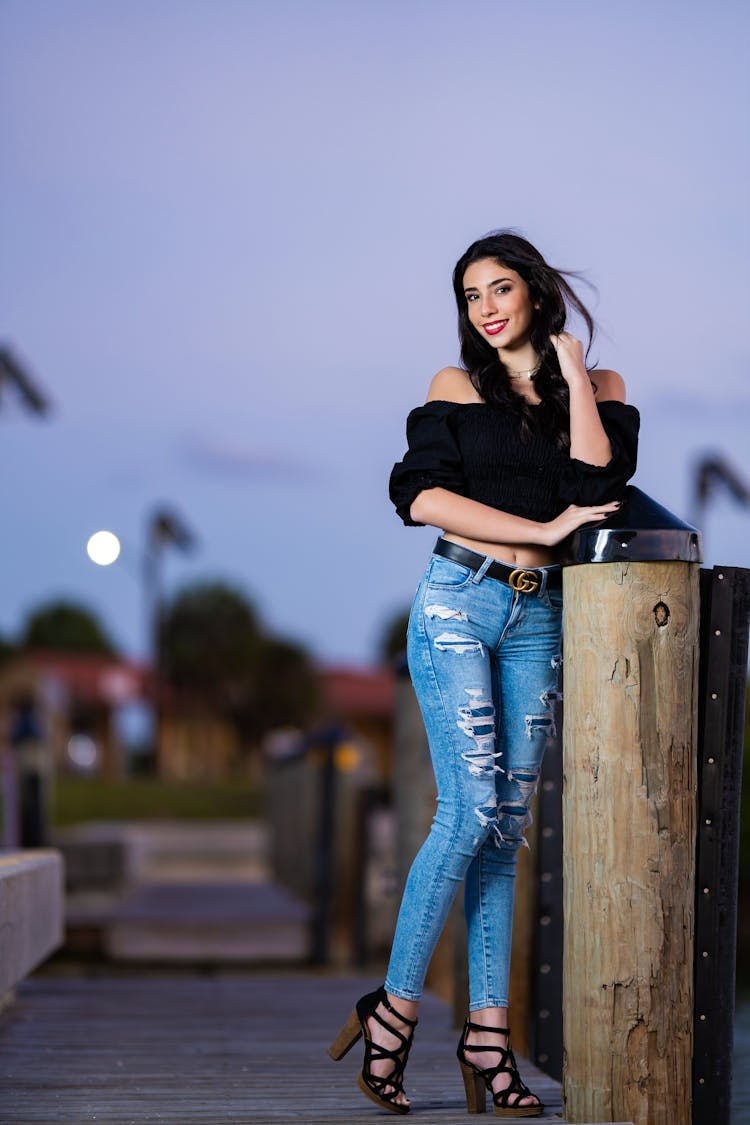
x: 525, y: 581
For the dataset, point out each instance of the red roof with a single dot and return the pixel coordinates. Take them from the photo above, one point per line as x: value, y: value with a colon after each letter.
x: 348, y: 692
x: 358, y: 692
x: 90, y: 677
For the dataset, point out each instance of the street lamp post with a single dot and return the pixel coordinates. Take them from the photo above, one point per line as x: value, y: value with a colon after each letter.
x: 16, y: 813
x: 164, y: 529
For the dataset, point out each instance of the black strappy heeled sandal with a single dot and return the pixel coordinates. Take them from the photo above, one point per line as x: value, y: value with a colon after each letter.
x: 382, y: 1090
x: 477, y: 1079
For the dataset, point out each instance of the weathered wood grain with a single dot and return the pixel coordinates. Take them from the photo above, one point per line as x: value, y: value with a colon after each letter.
x: 631, y: 633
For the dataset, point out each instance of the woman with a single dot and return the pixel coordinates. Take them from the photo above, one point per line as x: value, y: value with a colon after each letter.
x: 510, y: 454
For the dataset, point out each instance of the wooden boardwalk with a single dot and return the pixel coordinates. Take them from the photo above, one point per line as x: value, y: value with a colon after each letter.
x: 230, y: 1047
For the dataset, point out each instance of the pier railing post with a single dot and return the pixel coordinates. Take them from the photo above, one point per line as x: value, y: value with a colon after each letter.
x: 725, y: 626
x: 631, y: 632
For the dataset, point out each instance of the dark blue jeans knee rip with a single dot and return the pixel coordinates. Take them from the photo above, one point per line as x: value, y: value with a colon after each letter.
x: 514, y: 812
x: 476, y: 720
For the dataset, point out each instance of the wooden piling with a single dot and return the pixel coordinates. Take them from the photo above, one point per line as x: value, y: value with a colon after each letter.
x: 629, y: 753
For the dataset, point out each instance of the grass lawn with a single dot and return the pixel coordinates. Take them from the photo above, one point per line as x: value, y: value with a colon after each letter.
x: 78, y: 799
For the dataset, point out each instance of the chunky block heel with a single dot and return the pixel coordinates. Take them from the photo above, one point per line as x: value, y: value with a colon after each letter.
x: 346, y: 1038
x: 476, y: 1091
x: 383, y: 1090
x: 476, y: 1076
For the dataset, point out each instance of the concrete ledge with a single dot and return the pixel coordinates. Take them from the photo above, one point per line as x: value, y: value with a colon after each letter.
x: 31, y: 911
x: 102, y: 854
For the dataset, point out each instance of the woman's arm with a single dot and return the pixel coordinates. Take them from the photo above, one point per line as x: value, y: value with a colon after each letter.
x: 588, y: 438
x: 461, y: 516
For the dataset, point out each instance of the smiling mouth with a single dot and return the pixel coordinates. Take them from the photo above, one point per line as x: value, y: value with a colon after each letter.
x: 494, y: 326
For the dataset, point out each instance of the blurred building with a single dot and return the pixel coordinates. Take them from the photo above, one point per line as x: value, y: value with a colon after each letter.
x: 362, y: 700
x: 94, y: 714
x: 76, y: 703
x: 196, y: 744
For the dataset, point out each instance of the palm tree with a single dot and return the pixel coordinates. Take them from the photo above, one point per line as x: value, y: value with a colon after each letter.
x: 393, y: 639
x: 66, y: 627
x: 217, y: 657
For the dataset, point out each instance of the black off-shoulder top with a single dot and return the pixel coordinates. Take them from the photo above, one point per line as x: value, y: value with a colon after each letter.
x: 476, y: 450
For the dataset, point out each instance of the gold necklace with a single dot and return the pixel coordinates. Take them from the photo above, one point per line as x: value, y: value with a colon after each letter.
x: 520, y: 374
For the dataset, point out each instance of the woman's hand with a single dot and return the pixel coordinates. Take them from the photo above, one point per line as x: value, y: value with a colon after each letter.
x: 570, y: 354
x: 572, y: 518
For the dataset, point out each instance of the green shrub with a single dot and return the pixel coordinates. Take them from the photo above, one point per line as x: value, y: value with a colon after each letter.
x: 79, y: 799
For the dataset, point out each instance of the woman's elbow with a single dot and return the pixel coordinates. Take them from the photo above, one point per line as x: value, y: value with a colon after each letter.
x: 422, y: 508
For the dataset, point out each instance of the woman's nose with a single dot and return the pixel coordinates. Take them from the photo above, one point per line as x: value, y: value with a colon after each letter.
x: 487, y: 304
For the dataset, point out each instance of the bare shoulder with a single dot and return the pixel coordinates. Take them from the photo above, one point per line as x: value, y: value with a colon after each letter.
x: 610, y: 385
x: 452, y: 384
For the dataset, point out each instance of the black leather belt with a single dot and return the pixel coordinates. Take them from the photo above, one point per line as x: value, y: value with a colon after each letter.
x: 523, y: 579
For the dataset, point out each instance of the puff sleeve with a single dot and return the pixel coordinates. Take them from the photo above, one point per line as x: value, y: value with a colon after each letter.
x: 433, y: 459
x: 581, y: 483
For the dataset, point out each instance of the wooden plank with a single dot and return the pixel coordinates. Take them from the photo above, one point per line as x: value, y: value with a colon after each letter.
x: 229, y: 1048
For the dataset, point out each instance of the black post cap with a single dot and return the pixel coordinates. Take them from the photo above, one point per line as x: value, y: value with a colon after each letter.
x: 640, y: 531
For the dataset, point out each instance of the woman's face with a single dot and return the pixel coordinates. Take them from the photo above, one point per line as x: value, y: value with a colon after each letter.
x: 499, y: 303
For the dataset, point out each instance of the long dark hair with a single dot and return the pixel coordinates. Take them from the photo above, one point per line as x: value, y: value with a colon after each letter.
x: 552, y: 294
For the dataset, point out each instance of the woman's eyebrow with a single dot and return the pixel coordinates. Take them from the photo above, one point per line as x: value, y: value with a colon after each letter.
x: 473, y: 288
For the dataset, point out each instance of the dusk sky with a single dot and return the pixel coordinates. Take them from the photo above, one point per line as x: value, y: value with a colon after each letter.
x: 228, y: 229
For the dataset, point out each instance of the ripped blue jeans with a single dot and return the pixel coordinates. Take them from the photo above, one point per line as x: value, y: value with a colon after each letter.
x: 484, y: 661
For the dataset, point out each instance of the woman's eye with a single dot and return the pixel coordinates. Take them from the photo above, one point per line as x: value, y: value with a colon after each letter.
x: 471, y: 297
x: 503, y: 289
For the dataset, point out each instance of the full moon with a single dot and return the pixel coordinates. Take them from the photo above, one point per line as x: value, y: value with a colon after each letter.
x: 103, y: 548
